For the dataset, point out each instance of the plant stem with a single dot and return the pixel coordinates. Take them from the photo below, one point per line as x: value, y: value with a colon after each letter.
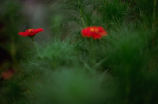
x: 154, y: 15
x: 153, y: 24
x: 36, y: 46
x: 13, y: 45
x: 83, y: 22
x: 84, y: 25
x: 92, y: 50
x: 13, y: 51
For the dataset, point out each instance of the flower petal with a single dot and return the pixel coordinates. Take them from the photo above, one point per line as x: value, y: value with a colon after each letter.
x: 31, y: 32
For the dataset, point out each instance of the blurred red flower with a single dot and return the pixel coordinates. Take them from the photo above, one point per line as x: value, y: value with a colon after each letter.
x: 31, y: 32
x: 8, y: 74
x: 94, y: 32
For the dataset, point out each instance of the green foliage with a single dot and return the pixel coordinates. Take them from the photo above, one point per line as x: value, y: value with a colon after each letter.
x: 53, y: 55
x: 11, y: 20
x: 11, y: 52
x: 69, y: 86
x: 120, y: 68
x: 117, y: 69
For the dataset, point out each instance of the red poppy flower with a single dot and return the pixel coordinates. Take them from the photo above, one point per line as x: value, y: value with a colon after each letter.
x: 31, y: 32
x: 94, y: 32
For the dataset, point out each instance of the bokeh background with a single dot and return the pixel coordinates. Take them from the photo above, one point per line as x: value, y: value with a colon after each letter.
x: 16, y: 16
x: 120, y: 68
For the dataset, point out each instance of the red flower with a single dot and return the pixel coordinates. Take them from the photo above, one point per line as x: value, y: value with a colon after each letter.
x: 94, y: 32
x: 31, y: 32
x: 7, y: 74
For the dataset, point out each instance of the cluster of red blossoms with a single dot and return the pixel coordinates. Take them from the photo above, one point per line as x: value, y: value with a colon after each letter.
x: 31, y: 32
x: 94, y: 32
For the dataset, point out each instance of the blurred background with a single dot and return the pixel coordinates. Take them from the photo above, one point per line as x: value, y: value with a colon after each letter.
x: 17, y: 16
x: 121, y: 67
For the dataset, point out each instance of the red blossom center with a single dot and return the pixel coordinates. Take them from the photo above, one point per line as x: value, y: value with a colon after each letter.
x: 92, y: 29
x: 30, y: 30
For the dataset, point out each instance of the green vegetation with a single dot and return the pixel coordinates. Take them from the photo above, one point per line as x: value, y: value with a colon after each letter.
x: 120, y: 68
